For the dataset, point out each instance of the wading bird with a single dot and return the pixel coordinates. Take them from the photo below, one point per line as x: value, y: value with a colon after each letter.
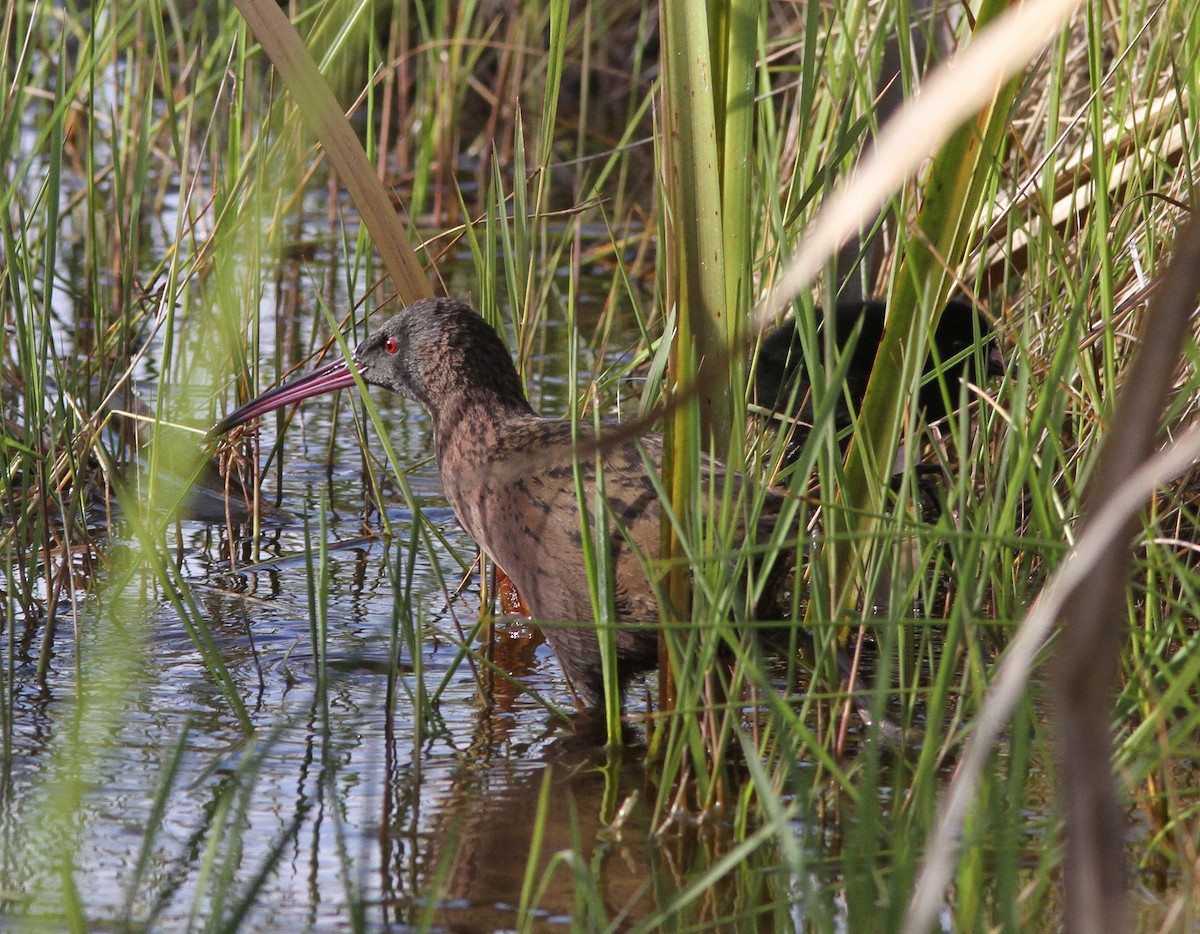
x: 510, y: 476
x: 515, y: 480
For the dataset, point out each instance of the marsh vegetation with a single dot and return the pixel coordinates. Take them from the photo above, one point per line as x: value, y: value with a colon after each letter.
x: 264, y: 684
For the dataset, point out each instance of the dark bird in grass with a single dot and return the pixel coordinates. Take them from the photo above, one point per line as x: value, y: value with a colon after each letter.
x: 509, y: 475
x: 782, y: 384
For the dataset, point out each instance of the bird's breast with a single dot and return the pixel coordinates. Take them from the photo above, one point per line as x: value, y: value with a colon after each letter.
x: 518, y: 495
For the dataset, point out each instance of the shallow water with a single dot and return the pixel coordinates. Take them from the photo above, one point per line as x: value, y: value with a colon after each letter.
x: 394, y: 803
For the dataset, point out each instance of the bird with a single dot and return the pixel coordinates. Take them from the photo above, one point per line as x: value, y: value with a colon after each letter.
x: 783, y: 386
x: 509, y: 474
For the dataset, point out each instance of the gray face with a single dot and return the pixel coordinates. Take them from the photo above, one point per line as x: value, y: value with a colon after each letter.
x: 432, y: 352
x: 388, y: 358
x: 440, y: 353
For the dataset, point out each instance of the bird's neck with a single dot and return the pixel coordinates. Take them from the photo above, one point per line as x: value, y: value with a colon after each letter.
x: 474, y: 395
x: 469, y: 425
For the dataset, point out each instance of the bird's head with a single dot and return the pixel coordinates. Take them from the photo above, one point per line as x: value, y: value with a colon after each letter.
x: 436, y: 351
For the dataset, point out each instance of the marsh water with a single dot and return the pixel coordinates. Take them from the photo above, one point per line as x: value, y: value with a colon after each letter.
x: 358, y: 798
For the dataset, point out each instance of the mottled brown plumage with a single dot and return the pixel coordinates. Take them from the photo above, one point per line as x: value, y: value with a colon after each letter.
x: 509, y: 476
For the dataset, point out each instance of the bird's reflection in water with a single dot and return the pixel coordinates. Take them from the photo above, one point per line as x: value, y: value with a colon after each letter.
x: 566, y: 821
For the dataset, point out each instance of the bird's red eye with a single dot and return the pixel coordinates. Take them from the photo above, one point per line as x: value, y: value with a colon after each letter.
x: 390, y: 345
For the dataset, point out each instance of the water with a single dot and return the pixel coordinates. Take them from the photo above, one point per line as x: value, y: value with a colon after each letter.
x: 397, y: 804
x: 382, y: 779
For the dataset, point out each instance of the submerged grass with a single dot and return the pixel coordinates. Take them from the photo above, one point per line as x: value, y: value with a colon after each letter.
x: 156, y: 183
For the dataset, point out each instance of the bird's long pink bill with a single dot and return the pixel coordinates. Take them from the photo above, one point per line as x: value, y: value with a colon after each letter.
x: 336, y: 375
